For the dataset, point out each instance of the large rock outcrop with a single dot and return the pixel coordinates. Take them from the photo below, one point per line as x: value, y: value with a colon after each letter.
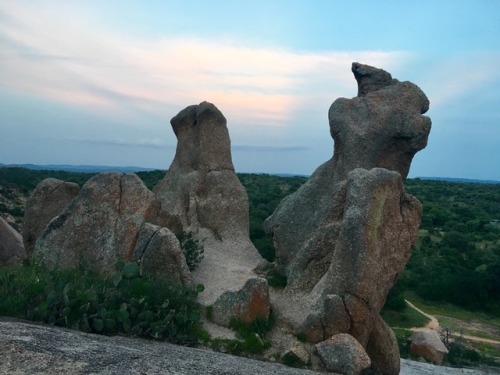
x: 345, y: 236
x: 48, y: 200
x: 100, y: 225
x: 12, y: 250
x: 201, y: 194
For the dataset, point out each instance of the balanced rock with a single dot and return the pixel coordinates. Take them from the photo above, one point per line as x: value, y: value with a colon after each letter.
x: 49, y: 199
x: 99, y: 226
x: 428, y: 345
x: 345, y: 236
x: 11, y: 245
x: 201, y: 194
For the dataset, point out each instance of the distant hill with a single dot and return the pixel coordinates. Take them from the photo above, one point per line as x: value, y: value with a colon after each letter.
x: 79, y: 168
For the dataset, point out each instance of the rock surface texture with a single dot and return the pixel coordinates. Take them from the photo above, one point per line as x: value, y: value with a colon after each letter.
x: 345, y: 236
x: 11, y: 245
x: 201, y: 194
x: 100, y: 225
x: 343, y: 354
x: 27, y: 348
x: 159, y: 254
x: 428, y: 345
x: 48, y: 200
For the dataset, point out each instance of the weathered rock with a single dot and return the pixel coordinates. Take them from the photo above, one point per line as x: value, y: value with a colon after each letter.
x: 345, y: 236
x: 28, y: 348
x: 246, y: 304
x: 11, y: 245
x: 11, y: 221
x: 343, y: 354
x: 202, y: 194
x: 382, y: 127
x: 201, y: 189
x: 370, y: 79
x: 100, y: 225
x: 383, y: 348
x: 159, y: 254
x: 428, y: 345
x: 49, y: 199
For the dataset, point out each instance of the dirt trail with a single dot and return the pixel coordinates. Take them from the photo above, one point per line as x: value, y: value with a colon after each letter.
x: 433, y: 325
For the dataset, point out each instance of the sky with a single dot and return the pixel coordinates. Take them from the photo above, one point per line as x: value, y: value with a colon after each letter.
x: 92, y: 82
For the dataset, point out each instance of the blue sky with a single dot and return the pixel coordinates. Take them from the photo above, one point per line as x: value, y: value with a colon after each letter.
x: 96, y: 82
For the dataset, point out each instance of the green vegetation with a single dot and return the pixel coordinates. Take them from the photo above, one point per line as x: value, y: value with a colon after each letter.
x: 251, y: 338
x: 26, y: 180
x: 192, y: 249
x: 404, y: 318
x: 461, y: 355
x: 125, y: 303
x: 265, y: 192
x: 457, y: 257
x: 151, y: 178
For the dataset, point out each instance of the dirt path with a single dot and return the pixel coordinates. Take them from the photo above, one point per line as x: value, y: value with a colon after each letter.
x: 433, y: 325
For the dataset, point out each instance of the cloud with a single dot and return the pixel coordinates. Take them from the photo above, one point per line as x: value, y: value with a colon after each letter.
x: 459, y: 76
x: 147, y: 143
x: 61, y: 56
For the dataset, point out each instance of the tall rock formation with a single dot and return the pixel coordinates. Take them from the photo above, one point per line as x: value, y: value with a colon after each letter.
x: 201, y: 193
x: 345, y: 236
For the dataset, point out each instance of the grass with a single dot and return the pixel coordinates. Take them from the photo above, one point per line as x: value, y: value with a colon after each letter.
x: 251, y: 337
x: 453, y: 311
x: 407, y: 318
x: 490, y: 350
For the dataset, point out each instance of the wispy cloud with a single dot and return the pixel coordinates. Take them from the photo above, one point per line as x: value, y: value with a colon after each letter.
x: 145, y: 142
x: 461, y: 76
x: 62, y: 57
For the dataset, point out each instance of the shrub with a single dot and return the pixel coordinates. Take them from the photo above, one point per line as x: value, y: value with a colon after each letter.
x: 192, y: 249
x: 459, y: 355
x: 275, y: 275
x: 124, y: 303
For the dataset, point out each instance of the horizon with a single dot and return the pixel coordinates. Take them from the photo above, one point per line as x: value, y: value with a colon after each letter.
x: 96, y: 83
x: 135, y: 169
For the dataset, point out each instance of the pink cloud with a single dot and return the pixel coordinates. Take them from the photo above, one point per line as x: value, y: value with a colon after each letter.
x: 65, y: 58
